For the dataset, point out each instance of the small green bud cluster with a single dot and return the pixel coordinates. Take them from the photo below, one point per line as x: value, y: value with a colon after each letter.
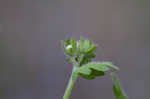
x: 83, y: 51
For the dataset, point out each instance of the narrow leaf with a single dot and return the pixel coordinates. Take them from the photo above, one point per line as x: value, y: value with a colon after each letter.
x: 74, y: 44
x: 92, y: 49
x: 118, y: 91
x: 81, y: 44
x: 86, y: 45
x: 109, y: 64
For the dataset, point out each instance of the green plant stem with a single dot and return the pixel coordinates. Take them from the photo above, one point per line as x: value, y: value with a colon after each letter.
x: 72, y: 81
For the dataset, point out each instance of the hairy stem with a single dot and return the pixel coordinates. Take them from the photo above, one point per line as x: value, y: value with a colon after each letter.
x: 72, y: 81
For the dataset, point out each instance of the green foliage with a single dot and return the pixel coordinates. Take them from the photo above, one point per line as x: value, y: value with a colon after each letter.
x: 94, y: 69
x: 93, y: 73
x: 118, y: 91
x: 80, y: 53
x: 83, y: 50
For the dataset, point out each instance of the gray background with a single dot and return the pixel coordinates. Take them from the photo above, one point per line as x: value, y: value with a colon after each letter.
x: 32, y: 65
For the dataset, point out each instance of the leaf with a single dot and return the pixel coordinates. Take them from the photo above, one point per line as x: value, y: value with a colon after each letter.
x: 94, y: 69
x: 74, y: 44
x: 97, y: 73
x: 92, y: 49
x: 81, y: 58
x: 81, y: 44
x: 90, y: 55
x: 67, y: 42
x: 109, y: 64
x: 78, y: 51
x: 87, y: 58
x: 92, y: 75
x: 84, y: 70
x: 86, y: 45
x: 98, y: 66
x: 89, y: 77
x: 118, y: 91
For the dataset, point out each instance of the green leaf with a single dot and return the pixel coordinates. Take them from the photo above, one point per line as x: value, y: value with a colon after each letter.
x: 118, y: 91
x: 84, y: 70
x: 81, y: 58
x: 81, y: 44
x: 87, y: 58
x: 90, y: 55
x: 94, y: 69
x: 86, y: 45
x: 97, y: 73
x: 67, y: 42
x: 84, y: 61
x: 98, y: 66
x: 78, y: 50
x: 89, y: 77
x: 110, y: 64
x: 92, y: 75
x: 91, y: 50
x: 74, y: 44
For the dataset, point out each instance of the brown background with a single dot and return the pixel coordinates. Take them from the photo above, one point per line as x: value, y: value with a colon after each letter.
x: 32, y: 64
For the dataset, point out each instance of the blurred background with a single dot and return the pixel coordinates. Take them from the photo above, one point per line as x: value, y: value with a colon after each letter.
x: 32, y: 64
